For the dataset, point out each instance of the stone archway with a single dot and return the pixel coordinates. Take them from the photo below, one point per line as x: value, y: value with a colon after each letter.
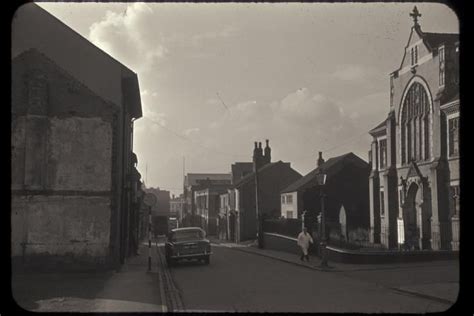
x: 412, y: 217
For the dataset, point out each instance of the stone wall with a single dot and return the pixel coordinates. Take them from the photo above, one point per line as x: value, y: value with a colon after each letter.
x: 62, y: 138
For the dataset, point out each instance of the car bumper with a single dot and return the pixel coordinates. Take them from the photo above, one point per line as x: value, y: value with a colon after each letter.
x: 192, y: 255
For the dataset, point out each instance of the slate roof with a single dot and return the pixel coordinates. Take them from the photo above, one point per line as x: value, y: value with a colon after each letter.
x: 240, y: 168
x: 251, y: 176
x: 436, y: 39
x: 378, y: 127
x: 330, y: 167
x: 192, y: 178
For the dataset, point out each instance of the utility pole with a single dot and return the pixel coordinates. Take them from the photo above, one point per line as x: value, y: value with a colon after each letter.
x: 149, y: 238
x: 302, y: 220
x: 257, y: 209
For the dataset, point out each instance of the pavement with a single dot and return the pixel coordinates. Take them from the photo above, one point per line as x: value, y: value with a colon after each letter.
x: 132, y: 289
x: 413, y: 278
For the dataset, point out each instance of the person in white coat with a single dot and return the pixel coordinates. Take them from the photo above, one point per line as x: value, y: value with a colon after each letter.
x: 304, y: 240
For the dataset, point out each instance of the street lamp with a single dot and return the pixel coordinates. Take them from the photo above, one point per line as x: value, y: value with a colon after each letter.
x: 302, y: 220
x: 321, y: 181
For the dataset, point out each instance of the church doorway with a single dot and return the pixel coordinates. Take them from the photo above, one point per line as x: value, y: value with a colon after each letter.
x: 412, y: 217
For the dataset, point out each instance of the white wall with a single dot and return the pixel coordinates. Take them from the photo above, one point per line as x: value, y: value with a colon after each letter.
x: 289, y: 207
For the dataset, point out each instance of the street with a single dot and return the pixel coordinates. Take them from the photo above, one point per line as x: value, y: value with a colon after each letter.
x: 241, y: 282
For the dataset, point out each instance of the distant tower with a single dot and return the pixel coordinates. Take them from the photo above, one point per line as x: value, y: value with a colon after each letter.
x: 320, y: 159
x: 267, y: 157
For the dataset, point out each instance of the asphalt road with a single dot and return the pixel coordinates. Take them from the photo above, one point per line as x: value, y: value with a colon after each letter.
x: 239, y: 281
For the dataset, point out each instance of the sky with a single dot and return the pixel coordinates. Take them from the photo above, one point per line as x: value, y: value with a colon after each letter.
x: 216, y: 77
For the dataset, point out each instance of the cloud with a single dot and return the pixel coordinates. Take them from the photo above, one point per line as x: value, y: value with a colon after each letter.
x: 212, y: 101
x: 302, y: 107
x: 353, y: 73
x: 126, y: 37
x: 226, y: 32
x: 190, y: 131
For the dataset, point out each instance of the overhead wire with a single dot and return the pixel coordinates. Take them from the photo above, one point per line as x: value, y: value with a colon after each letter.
x: 195, y: 142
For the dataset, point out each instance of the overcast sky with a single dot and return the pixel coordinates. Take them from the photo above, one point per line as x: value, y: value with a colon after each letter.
x: 214, y: 78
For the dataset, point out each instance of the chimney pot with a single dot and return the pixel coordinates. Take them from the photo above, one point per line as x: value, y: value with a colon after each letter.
x: 259, y: 144
x: 320, y: 159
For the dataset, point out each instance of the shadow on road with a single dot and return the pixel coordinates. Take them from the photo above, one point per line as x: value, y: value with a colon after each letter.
x: 29, y: 288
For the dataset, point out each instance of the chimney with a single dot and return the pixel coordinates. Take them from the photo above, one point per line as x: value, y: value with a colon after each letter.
x: 320, y: 159
x: 267, y: 157
x: 257, y: 156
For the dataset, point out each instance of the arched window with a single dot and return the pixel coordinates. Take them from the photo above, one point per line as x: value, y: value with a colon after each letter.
x: 415, y: 125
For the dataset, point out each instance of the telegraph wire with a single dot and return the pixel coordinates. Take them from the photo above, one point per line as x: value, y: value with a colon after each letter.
x: 345, y: 143
x: 193, y: 141
x: 217, y: 93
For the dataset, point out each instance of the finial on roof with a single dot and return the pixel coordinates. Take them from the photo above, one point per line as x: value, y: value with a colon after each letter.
x: 415, y: 15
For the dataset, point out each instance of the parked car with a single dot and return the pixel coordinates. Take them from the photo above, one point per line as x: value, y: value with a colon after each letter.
x: 187, y: 243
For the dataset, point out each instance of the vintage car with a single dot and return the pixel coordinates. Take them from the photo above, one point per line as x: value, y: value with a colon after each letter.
x: 187, y: 243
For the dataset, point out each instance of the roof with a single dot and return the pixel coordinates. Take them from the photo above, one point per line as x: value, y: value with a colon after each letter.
x: 219, y: 188
x: 330, y: 167
x: 34, y: 27
x: 186, y: 229
x: 436, y: 39
x: 240, y: 170
x: 452, y: 98
x: 251, y: 176
x: 192, y: 178
x: 380, y: 127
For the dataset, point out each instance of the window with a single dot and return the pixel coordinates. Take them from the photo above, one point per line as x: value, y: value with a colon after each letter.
x: 289, y: 199
x: 454, y: 203
x: 453, y: 140
x: 289, y: 214
x: 391, y: 90
x: 382, y: 203
x: 441, y: 66
x: 383, y: 153
x: 416, y: 54
x: 282, y: 199
x: 415, y: 125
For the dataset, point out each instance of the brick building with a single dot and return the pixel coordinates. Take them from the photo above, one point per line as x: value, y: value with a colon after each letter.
x: 177, y: 206
x: 272, y: 177
x: 73, y: 177
x: 414, y: 183
x: 197, y: 181
x: 207, y: 203
x: 346, y: 195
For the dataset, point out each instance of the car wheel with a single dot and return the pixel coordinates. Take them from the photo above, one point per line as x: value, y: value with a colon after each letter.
x: 207, y: 260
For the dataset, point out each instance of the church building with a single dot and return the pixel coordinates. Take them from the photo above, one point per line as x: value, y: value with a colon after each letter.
x: 414, y: 182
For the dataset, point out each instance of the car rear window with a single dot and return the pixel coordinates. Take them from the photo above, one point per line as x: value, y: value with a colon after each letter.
x: 187, y: 235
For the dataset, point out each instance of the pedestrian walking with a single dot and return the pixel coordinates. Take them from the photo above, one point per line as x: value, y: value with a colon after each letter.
x: 304, y: 239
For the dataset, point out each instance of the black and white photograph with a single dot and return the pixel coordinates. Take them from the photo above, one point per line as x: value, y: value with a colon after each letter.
x: 288, y: 157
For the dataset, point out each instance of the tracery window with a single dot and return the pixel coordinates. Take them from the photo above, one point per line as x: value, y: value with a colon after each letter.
x: 415, y: 125
x: 453, y: 134
x: 383, y: 153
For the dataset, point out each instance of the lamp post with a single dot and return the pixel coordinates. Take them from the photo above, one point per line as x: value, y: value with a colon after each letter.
x: 321, y: 180
x: 302, y: 220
